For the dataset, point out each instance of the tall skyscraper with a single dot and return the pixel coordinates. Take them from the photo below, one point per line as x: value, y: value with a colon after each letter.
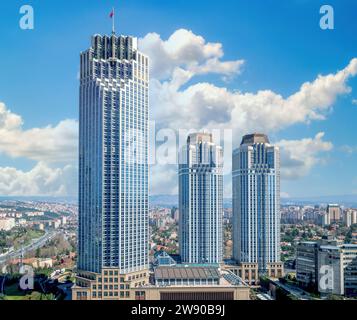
x: 113, y: 164
x: 201, y: 200
x: 256, y: 202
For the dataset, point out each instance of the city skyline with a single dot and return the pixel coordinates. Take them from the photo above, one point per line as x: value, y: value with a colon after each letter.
x: 234, y: 111
x: 226, y: 75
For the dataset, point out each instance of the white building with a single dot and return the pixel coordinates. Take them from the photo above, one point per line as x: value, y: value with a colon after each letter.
x: 350, y: 217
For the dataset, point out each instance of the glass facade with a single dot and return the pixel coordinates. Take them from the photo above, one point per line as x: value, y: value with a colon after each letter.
x: 201, y: 200
x: 113, y: 156
x: 256, y: 202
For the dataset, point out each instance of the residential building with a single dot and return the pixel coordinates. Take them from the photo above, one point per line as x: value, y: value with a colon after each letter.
x: 6, y: 224
x: 256, y: 203
x: 350, y: 217
x: 334, y: 213
x: 201, y: 200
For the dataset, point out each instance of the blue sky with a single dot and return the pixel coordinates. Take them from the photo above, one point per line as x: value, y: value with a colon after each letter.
x: 280, y: 42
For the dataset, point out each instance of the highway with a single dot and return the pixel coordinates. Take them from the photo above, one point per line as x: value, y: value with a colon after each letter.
x: 37, y: 243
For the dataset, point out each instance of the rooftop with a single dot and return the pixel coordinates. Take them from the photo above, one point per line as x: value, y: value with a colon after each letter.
x: 182, y: 272
x: 199, y: 137
x: 255, y: 138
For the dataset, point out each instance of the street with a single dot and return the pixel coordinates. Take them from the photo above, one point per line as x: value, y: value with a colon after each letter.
x: 38, y: 243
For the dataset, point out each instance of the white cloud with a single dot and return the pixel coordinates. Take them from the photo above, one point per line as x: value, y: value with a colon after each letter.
x: 55, y: 145
x: 42, y: 180
x: 206, y: 105
x: 202, y: 105
x: 184, y: 49
x: 163, y: 180
x: 49, y: 144
x: 354, y: 101
x: 348, y: 149
x: 177, y: 104
x: 299, y: 156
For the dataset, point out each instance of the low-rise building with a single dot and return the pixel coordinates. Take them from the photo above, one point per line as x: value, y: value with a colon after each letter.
x: 6, y: 224
x: 179, y: 282
x: 248, y: 272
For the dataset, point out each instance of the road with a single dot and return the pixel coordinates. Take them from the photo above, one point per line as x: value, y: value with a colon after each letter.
x: 37, y: 243
x: 297, y: 292
x: 2, y: 284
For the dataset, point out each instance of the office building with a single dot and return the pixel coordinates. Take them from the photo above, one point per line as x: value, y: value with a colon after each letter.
x: 113, y: 169
x: 306, y: 265
x: 327, y: 267
x: 201, y: 200
x: 256, y: 204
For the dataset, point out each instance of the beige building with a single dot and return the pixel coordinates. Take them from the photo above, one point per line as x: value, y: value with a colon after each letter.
x: 6, y: 224
x: 200, y: 293
x: 167, y: 283
x: 334, y: 213
x: 110, y: 285
x: 248, y: 272
x: 43, y: 263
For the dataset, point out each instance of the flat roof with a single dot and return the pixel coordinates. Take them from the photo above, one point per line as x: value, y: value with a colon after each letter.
x: 182, y: 272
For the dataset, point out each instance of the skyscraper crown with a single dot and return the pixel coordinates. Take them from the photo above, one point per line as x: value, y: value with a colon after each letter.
x: 199, y: 137
x: 115, y: 47
x: 255, y: 138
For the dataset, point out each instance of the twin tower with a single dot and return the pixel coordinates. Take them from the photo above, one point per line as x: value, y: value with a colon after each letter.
x: 256, y: 201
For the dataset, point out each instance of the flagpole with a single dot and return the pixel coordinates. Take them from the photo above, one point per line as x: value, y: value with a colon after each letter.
x: 113, y: 29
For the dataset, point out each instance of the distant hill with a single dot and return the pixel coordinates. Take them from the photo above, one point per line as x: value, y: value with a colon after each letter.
x: 172, y: 201
x: 70, y: 200
x: 164, y: 200
x: 349, y: 200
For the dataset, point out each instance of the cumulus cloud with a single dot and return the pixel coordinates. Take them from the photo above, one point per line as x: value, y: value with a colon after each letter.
x: 42, y: 180
x: 184, y: 49
x: 53, y: 147
x: 299, y: 156
x: 178, y: 104
x: 206, y: 105
x: 177, y: 101
x: 49, y: 144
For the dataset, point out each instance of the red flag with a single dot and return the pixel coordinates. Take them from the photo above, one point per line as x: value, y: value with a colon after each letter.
x: 112, y: 14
